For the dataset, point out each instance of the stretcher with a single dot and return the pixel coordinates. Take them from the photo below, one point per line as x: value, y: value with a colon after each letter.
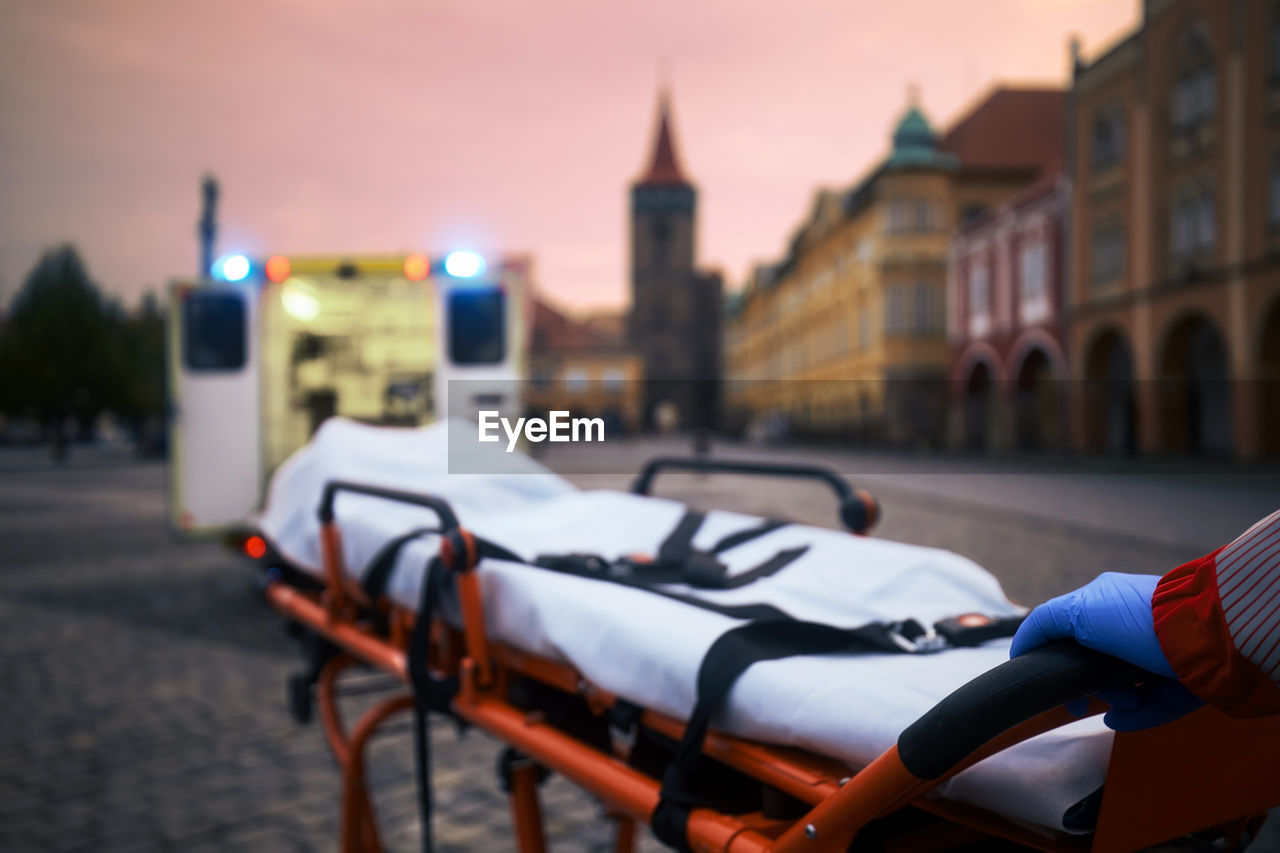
x: 735, y: 683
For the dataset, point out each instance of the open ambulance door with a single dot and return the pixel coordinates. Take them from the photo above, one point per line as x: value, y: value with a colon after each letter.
x: 215, y: 441
x: 482, y: 346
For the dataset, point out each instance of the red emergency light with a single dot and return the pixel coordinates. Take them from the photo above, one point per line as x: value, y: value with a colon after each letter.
x: 277, y: 268
x: 417, y: 267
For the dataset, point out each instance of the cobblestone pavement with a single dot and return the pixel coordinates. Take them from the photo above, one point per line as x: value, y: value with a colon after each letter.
x: 142, y: 695
x: 142, y: 679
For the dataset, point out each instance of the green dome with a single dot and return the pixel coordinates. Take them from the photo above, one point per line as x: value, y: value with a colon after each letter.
x: 915, y: 143
x: 913, y: 131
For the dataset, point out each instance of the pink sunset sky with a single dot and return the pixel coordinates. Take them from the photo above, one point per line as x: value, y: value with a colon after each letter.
x: 345, y: 126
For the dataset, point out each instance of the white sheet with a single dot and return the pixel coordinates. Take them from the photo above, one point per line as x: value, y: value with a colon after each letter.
x: 647, y: 648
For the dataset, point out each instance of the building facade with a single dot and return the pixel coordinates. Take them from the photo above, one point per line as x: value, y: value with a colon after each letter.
x: 1174, y: 271
x: 675, y: 309
x: 846, y: 336
x: 584, y: 367
x: 1005, y: 322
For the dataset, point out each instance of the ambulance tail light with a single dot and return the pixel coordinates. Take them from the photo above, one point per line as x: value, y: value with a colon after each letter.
x: 255, y: 547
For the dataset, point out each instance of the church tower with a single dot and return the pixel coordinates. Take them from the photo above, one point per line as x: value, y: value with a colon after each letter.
x: 674, y: 322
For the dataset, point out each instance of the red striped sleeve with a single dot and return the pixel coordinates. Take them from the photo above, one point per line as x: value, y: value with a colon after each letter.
x: 1218, y: 621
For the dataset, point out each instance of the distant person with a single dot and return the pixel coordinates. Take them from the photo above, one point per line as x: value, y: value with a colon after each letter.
x: 666, y: 417
x: 1210, y: 627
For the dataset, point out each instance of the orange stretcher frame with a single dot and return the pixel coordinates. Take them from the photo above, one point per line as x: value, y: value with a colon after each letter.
x: 1205, y: 771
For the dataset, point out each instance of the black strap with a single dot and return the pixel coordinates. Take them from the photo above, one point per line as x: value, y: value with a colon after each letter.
x: 769, y: 567
x: 431, y: 693
x: 378, y: 574
x: 425, y: 690
x: 494, y: 551
x: 680, y: 562
x: 733, y: 540
x: 677, y: 561
x: 383, y: 563
x: 593, y: 567
x: 679, y: 542
x: 729, y: 656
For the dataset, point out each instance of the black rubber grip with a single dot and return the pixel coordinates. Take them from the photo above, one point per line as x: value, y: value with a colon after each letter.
x: 852, y: 508
x: 1001, y: 698
x: 439, y: 506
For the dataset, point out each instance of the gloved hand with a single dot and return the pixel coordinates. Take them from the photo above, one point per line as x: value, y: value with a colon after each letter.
x: 1112, y: 614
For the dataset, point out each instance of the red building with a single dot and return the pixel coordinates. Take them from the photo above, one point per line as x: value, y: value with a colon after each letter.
x: 1005, y: 322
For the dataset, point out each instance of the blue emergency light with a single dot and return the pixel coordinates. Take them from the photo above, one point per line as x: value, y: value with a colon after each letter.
x: 464, y: 264
x: 232, y: 268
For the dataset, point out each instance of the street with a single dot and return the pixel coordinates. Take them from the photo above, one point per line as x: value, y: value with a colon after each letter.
x: 143, y: 679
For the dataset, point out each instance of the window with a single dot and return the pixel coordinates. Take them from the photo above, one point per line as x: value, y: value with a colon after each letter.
x: 1033, y: 275
x: 477, y: 325
x: 1275, y: 46
x: 1194, y: 99
x: 928, y: 308
x: 1108, y: 252
x: 864, y: 251
x: 895, y: 309
x: 979, y: 297
x: 913, y: 215
x: 213, y: 330
x: 1033, y: 269
x: 972, y: 212
x: 1108, y: 136
x: 924, y: 215
x: 899, y: 216
x: 864, y: 329
x: 1206, y: 221
x: 575, y: 380
x: 1274, y: 217
x: 979, y: 288
x: 660, y: 230
x: 1193, y: 222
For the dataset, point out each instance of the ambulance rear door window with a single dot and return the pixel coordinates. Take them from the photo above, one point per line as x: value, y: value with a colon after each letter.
x: 213, y: 326
x: 477, y: 325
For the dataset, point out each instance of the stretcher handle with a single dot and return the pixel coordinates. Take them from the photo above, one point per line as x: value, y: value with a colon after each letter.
x: 858, y: 509
x: 1003, y: 697
x: 448, y: 521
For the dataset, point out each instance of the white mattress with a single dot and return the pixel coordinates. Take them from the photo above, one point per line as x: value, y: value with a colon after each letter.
x: 647, y: 648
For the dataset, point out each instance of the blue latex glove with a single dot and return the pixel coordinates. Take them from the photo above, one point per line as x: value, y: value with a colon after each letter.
x: 1112, y: 614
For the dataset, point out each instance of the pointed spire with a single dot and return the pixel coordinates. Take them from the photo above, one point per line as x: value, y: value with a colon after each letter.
x: 664, y: 168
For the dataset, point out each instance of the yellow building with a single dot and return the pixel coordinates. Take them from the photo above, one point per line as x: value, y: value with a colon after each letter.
x: 845, y: 336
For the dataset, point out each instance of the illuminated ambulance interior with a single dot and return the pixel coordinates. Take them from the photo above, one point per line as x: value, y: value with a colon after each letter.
x: 364, y: 340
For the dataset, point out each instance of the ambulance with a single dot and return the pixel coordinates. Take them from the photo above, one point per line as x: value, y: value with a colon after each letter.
x: 266, y: 350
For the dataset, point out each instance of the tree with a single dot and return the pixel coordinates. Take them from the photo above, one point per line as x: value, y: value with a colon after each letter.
x: 139, y: 399
x: 57, y: 357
